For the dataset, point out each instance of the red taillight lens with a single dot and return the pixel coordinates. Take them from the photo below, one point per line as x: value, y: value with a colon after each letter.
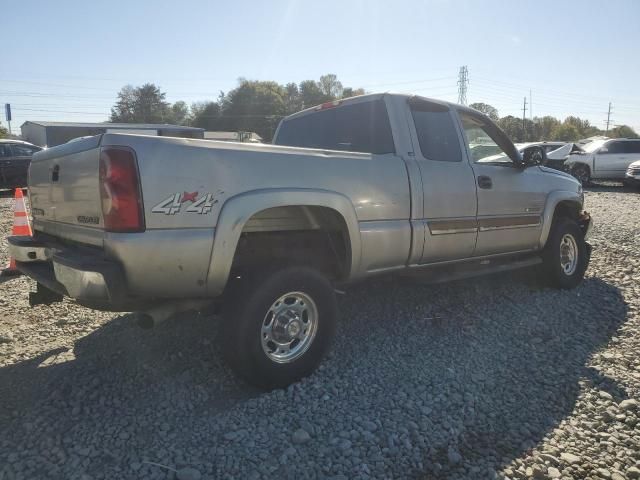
x: 120, y: 190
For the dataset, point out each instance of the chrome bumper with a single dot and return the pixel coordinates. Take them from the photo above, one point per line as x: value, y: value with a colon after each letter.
x: 83, y: 275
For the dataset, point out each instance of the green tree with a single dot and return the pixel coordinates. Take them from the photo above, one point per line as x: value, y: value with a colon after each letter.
x: 206, y: 115
x: 179, y: 113
x: 566, y: 132
x: 623, y: 131
x: 3, y: 131
x: 330, y: 86
x: 144, y: 104
x: 254, y: 106
x: 512, y: 126
x: 487, y: 109
x: 292, y: 99
x: 349, y: 92
x: 543, y: 127
x: 311, y: 94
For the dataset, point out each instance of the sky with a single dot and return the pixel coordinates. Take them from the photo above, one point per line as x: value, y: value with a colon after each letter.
x: 66, y: 60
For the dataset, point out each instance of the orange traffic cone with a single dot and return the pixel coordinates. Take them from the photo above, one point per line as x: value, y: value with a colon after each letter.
x: 20, y: 227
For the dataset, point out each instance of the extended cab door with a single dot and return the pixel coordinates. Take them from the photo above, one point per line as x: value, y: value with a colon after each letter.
x: 449, y: 200
x: 511, y: 199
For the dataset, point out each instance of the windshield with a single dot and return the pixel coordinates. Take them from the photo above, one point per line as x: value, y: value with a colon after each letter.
x: 593, y: 146
x: 486, y: 142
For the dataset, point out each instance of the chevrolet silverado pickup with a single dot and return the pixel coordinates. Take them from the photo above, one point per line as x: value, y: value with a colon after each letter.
x: 381, y: 183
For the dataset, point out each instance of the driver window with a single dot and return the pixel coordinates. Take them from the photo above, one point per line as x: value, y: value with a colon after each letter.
x: 482, y: 147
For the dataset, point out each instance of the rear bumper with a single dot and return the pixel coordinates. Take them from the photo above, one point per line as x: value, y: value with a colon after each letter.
x: 89, y: 279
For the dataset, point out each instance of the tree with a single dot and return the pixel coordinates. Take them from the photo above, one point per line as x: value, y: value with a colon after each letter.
x: 566, y: 132
x: 512, y: 126
x: 487, y: 109
x: 3, y: 131
x: 311, y: 95
x: 330, y: 86
x: 543, y: 127
x: 292, y: 99
x: 145, y: 104
x: 179, y: 113
x: 254, y: 106
x: 206, y: 115
x: 623, y: 131
x: 349, y: 92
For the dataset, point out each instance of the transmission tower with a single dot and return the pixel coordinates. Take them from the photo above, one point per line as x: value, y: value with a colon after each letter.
x: 463, y: 84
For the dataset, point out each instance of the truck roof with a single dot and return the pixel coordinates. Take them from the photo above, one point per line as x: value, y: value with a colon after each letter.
x: 371, y: 97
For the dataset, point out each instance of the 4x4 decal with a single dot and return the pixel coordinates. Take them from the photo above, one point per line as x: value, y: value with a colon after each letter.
x: 173, y: 203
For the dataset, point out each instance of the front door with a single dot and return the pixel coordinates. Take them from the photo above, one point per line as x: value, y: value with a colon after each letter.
x: 449, y: 200
x: 510, y: 199
x: 612, y: 160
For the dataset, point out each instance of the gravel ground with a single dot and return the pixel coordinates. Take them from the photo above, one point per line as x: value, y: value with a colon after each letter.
x: 487, y: 378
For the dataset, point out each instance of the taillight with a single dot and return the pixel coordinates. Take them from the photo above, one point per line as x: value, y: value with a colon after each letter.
x: 120, y: 190
x: 328, y: 105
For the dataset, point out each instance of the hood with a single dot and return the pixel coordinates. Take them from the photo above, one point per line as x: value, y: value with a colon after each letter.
x: 559, y: 173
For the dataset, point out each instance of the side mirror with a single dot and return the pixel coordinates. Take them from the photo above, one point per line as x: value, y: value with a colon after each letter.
x: 603, y: 150
x: 532, y: 156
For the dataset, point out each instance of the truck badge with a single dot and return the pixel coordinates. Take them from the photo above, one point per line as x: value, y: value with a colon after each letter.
x: 173, y: 204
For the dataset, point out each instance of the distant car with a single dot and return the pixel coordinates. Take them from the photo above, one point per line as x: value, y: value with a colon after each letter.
x: 15, y: 157
x: 604, y: 159
x: 557, y: 152
x: 632, y: 176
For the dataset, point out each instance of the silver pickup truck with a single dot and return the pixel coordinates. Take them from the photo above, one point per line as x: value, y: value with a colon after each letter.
x: 349, y: 189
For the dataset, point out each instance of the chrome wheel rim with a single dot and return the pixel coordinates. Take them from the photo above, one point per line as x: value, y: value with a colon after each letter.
x: 289, y: 327
x: 568, y: 254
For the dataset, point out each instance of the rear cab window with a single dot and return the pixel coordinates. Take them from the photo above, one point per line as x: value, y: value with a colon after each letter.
x: 356, y: 127
x: 436, y: 131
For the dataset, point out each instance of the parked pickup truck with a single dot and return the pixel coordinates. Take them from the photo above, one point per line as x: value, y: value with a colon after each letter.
x: 349, y: 189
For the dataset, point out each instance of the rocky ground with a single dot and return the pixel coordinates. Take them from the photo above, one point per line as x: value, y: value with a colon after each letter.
x: 486, y: 378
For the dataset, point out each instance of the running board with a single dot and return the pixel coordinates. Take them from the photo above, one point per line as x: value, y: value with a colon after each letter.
x: 460, y: 271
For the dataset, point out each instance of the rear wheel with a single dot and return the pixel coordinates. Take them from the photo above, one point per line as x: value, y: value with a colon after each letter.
x: 565, y: 257
x: 582, y: 173
x: 278, y: 325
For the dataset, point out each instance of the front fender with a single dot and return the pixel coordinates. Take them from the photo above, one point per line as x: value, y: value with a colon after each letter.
x: 237, y: 210
x: 553, y: 199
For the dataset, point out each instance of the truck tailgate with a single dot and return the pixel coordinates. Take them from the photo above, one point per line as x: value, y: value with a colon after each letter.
x: 64, y: 191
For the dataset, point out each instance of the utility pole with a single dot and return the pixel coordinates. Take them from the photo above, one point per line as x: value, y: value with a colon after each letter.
x: 463, y: 83
x: 608, y: 117
x: 524, y: 117
x: 530, y: 106
x: 7, y: 115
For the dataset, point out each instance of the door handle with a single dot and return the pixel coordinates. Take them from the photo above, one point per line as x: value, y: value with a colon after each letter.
x: 484, y: 181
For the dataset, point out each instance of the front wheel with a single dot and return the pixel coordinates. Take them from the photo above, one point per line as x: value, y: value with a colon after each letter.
x: 565, y: 256
x: 582, y: 174
x: 278, y: 325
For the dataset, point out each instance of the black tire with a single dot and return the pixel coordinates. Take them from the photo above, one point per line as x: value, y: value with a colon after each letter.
x: 245, y: 312
x: 556, y: 266
x: 582, y: 173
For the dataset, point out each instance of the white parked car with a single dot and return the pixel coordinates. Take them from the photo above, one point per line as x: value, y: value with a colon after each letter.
x: 604, y: 159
